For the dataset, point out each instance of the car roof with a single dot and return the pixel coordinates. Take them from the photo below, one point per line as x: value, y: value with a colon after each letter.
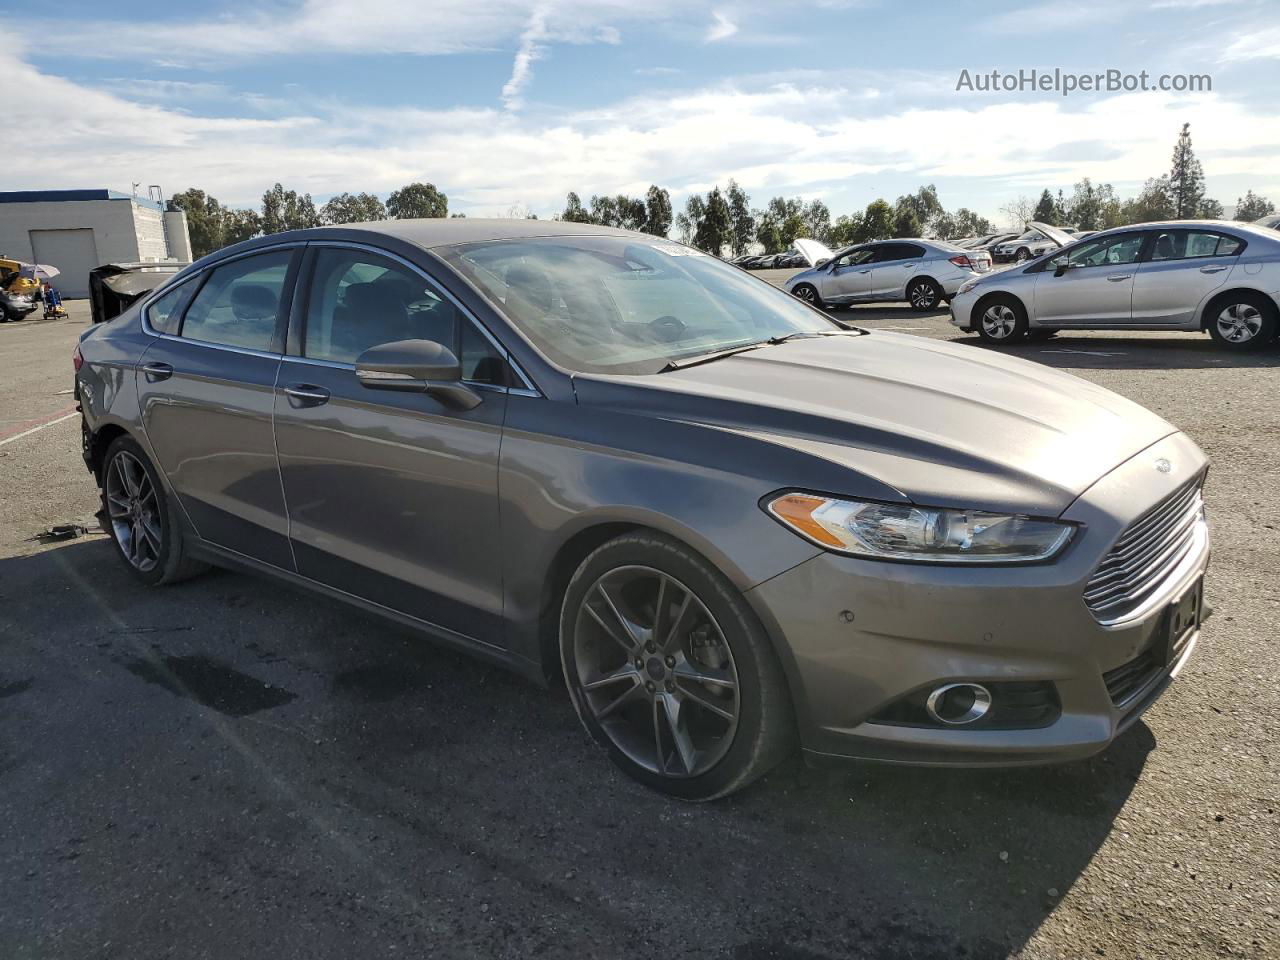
x: 1250, y: 229
x: 447, y: 231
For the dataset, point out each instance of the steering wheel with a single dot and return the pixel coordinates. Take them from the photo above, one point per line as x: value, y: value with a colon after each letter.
x: 667, y: 328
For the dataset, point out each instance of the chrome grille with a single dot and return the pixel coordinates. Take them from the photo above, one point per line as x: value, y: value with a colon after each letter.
x: 1146, y: 552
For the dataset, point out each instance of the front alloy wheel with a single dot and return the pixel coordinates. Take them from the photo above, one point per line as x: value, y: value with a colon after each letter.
x: 1002, y: 320
x: 670, y: 670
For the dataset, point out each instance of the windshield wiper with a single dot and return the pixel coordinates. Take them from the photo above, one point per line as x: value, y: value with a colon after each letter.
x: 684, y: 362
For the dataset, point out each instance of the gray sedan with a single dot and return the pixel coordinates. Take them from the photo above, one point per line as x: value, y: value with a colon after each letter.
x: 727, y: 525
x: 1219, y: 276
x: 921, y: 272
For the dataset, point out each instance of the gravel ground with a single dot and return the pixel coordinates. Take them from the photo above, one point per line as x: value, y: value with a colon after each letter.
x: 316, y: 784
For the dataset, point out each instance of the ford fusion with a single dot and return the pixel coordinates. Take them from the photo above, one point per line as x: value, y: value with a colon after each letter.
x: 731, y: 527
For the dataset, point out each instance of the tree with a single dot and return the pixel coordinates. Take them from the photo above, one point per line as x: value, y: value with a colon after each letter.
x: 817, y: 221
x: 969, y: 224
x: 1019, y: 212
x: 788, y: 216
x: 631, y: 212
x: 744, y: 224
x: 846, y: 230
x: 689, y: 222
x: 924, y: 204
x: 520, y: 211
x: 877, y: 222
x: 906, y: 223
x: 211, y: 225
x: 1153, y: 203
x: 353, y: 208
x: 1088, y: 204
x: 417, y: 200
x: 657, y: 211
x: 1252, y: 207
x: 1046, y: 210
x: 715, y: 232
x: 1186, y: 178
x: 573, y: 210
x: 287, y: 210
x: 1210, y: 209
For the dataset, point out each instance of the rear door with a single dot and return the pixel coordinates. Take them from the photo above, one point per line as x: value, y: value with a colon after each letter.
x: 1097, y: 286
x: 1184, y: 267
x: 894, y: 265
x: 393, y: 497
x: 206, y: 390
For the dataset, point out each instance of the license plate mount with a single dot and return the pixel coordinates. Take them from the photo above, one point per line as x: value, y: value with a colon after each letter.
x: 1182, y: 620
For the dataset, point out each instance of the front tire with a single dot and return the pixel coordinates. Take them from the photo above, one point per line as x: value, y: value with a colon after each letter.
x: 1243, y: 322
x: 140, y: 519
x: 1001, y: 319
x: 670, y: 670
x: 1022, y: 255
x: 924, y: 295
x: 809, y: 294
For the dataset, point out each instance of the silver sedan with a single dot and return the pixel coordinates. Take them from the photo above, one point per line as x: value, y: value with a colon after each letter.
x: 921, y: 272
x: 1219, y: 276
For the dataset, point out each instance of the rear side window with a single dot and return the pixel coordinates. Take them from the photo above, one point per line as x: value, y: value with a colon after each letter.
x: 164, y: 313
x: 1193, y: 244
x: 239, y: 305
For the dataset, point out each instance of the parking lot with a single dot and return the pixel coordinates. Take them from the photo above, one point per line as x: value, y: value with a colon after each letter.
x: 227, y: 768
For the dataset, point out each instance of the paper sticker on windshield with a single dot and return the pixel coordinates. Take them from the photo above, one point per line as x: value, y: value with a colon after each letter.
x: 675, y: 250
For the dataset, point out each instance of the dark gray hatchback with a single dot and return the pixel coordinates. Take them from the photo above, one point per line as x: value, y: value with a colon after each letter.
x: 727, y: 521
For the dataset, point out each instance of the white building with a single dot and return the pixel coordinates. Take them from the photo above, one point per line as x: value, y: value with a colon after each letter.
x: 77, y: 230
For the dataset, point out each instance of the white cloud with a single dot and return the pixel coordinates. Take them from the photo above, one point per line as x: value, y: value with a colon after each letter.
x: 722, y: 28
x: 1260, y: 44
x: 773, y: 138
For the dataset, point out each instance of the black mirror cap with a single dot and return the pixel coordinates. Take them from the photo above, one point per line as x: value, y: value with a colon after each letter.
x: 1060, y: 269
x: 416, y: 366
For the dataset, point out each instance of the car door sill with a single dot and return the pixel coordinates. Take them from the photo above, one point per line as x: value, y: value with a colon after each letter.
x: 223, y: 557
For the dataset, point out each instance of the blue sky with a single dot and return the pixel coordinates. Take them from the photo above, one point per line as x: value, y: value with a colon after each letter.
x: 512, y: 103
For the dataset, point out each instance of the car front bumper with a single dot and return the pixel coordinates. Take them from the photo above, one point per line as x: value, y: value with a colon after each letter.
x: 856, y: 636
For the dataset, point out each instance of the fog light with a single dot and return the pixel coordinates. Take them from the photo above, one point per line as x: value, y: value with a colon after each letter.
x: 958, y: 703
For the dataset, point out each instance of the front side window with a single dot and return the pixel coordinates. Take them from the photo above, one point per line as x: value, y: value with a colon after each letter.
x: 855, y: 257
x: 357, y: 300
x: 1106, y: 252
x: 627, y: 305
x: 239, y: 305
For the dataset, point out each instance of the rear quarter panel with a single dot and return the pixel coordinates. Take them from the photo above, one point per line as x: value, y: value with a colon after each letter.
x: 107, y: 380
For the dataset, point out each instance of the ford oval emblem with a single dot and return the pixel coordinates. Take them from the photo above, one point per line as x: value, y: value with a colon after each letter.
x: 1163, y: 465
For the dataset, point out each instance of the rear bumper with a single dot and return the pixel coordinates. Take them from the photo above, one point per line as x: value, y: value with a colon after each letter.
x: 915, y: 627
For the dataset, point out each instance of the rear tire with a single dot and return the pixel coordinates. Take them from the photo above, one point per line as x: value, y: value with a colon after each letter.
x: 670, y: 670
x: 1000, y: 319
x: 1243, y: 321
x: 924, y: 295
x: 809, y: 294
x: 141, y: 519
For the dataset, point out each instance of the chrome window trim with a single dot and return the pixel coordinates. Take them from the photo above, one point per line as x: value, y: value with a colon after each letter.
x: 527, y: 390
x: 200, y: 275
x: 245, y: 351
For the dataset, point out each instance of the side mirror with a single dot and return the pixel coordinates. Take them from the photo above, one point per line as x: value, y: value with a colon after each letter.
x: 1061, y: 268
x: 416, y: 366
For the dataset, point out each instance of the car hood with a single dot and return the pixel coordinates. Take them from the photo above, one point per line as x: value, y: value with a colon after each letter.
x: 1060, y: 237
x: 812, y: 250
x: 943, y: 424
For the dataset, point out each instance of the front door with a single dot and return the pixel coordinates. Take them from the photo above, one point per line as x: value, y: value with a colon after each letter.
x: 392, y: 496
x: 1185, y: 267
x: 894, y: 265
x: 205, y: 390
x: 1095, y: 288
x: 849, y: 278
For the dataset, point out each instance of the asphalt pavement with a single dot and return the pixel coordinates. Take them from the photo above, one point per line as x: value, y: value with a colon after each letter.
x: 227, y: 768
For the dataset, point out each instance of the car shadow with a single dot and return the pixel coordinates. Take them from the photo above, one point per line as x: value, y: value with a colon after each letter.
x: 1148, y: 351
x: 244, y: 739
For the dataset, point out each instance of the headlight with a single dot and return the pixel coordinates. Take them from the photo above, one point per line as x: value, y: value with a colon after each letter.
x: 968, y: 285
x: 900, y: 531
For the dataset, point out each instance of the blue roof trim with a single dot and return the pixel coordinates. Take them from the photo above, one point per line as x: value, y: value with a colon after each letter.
x: 58, y: 196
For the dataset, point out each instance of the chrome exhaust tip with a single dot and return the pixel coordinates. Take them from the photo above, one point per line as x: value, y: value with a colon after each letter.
x: 956, y: 704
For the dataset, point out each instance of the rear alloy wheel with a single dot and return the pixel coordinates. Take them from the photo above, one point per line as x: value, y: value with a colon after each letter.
x: 1002, y: 319
x: 809, y: 294
x: 669, y: 669
x: 139, y: 518
x: 1243, y: 322
x: 924, y: 295
x: 1022, y: 255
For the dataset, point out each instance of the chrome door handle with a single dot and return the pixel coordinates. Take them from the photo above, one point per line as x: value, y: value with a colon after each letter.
x: 1214, y: 269
x: 306, y: 395
x: 1117, y: 277
x: 155, y: 372
x: 864, y: 271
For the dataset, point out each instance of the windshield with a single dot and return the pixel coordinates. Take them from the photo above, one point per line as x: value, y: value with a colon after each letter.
x: 628, y: 305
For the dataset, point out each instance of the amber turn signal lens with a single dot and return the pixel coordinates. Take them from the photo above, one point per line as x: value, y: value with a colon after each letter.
x: 796, y: 510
